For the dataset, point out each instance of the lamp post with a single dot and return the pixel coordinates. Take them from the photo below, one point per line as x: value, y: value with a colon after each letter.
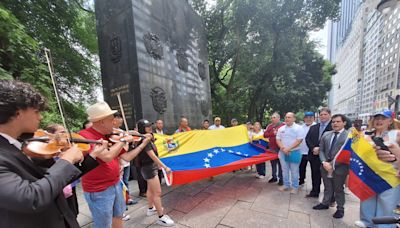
x: 384, y: 6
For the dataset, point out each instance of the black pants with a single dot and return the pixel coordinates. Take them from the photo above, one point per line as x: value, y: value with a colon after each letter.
x: 315, y: 163
x: 303, y: 167
x: 73, y: 202
x: 261, y: 169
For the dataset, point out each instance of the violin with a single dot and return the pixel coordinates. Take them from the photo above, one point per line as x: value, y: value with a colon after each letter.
x: 118, y: 133
x: 46, y: 145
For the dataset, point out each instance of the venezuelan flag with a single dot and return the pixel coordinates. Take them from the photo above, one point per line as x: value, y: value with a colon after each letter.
x: 199, y: 154
x: 368, y: 175
x: 260, y: 141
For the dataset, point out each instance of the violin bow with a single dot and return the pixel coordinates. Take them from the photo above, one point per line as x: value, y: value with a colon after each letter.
x: 59, y: 104
x: 122, y: 112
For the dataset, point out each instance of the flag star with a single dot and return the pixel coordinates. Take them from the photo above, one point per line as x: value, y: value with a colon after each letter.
x: 216, y: 151
x: 359, y: 174
x: 222, y: 149
x: 246, y: 155
x: 210, y: 155
x: 206, y: 160
x: 238, y: 153
x: 207, y: 165
x: 230, y: 151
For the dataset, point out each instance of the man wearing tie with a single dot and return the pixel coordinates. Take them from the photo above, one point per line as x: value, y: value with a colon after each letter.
x: 333, y: 177
x: 312, y: 139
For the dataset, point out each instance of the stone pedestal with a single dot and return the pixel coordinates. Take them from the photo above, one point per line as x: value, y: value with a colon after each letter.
x: 154, y: 53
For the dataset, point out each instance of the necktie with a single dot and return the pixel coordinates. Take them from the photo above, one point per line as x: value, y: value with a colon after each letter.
x: 332, y: 145
x: 321, y: 130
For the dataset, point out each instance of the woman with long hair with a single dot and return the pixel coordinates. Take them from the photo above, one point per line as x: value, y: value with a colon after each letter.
x: 382, y: 125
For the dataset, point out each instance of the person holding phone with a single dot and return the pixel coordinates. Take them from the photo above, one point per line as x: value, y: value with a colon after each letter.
x: 383, y: 132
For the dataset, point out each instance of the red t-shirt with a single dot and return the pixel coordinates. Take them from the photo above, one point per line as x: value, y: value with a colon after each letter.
x: 104, y: 175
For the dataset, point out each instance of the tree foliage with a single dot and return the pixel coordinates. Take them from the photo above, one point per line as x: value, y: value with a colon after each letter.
x: 261, y: 58
x: 27, y: 27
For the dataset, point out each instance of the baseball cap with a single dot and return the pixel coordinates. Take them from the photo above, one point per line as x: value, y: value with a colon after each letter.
x: 309, y: 114
x: 384, y: 112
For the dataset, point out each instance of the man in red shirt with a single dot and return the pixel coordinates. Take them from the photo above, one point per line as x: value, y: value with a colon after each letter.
x: 101, y: 186
x: 270, y: 134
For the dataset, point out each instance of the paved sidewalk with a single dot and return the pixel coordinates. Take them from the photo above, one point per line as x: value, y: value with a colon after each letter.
x: 234, y: 200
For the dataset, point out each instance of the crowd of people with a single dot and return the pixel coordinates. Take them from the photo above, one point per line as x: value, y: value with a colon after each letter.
x: 41, y: 190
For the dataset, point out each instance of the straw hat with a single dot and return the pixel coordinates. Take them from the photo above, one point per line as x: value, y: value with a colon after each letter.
x: 99, y: 111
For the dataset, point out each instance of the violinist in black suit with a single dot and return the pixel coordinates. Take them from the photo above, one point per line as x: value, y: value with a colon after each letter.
x: 32, y: 196
x: 312, y: 139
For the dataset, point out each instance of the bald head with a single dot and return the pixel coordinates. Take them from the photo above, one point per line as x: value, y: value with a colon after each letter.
x: 290, y: 118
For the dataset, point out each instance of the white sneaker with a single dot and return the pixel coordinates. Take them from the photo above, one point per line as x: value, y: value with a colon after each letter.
x: 360, y: 224
x: 260, y: 176
x: 165, y: 220
x: 151, y: 211
x: 125, y: 217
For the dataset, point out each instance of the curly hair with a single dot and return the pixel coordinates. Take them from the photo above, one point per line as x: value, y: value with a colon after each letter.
x: 17, y: 95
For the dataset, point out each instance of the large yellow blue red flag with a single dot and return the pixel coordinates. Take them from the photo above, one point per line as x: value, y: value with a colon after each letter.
x: 368, y: 175
x: 199, y: 154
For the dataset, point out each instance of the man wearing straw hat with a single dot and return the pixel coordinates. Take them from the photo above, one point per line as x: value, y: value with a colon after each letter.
x: 101, y: 186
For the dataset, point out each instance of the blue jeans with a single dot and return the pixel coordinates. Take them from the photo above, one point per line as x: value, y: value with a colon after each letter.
x: 105, y: 205
x: 125, y: 176
x: 380, y: 205
x: 261, y: 169
x: 289, y: 170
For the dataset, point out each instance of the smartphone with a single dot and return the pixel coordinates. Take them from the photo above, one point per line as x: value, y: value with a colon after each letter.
x: 379, y: 142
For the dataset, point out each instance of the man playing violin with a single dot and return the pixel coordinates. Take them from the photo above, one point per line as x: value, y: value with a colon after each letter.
x: 101, y: 186
x: 31, y: 196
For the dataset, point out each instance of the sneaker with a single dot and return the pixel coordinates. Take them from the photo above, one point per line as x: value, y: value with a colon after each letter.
x: 165, y: 220
x: 260, y: 176
x: 151, y: 211
x: 280, y: 182
x: 294, y: 191
x: 360, y: 224
x: 132, y: 201
x: 125, y: 217
x: 273, y: 180
x: 283, y: 188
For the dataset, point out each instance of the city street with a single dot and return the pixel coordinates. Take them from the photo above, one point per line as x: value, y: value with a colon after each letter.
x: 235, y: 200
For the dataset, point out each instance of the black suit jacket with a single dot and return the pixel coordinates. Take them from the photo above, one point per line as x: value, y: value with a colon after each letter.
x: 312, y: 138
x: 32, y: 196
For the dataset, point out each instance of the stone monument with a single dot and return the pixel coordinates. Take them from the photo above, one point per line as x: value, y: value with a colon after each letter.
x: 154, y: 53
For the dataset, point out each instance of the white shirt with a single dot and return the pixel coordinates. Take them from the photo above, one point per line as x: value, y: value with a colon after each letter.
x: 289, y: 134
x: 160, y: 132
x: 303, y: 146
x: 12, y: 141
x: 213, y: 127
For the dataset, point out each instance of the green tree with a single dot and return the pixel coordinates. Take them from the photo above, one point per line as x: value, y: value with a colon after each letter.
x: 68, y: 30
x: 260, y: 56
